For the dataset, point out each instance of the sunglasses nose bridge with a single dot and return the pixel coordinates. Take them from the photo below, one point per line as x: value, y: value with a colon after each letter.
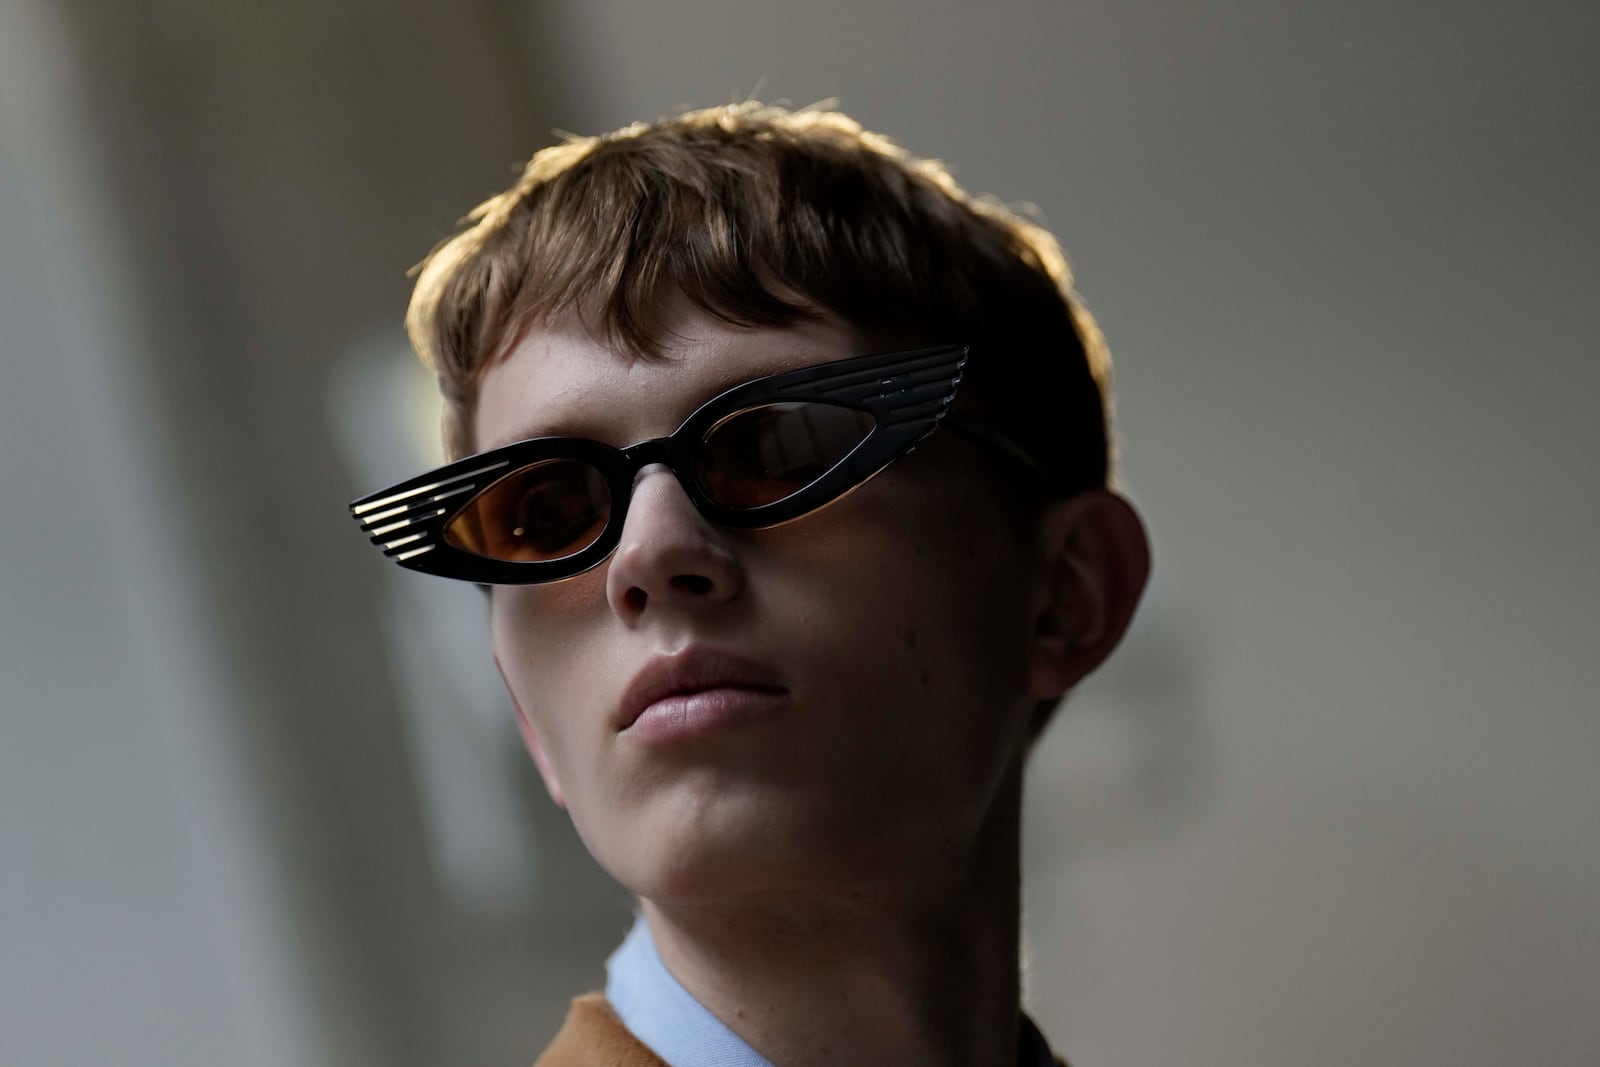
x: 658, y: 452
x: 647, y: 453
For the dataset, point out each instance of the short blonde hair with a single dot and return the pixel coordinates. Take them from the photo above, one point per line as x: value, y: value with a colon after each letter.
x: 760, y: 215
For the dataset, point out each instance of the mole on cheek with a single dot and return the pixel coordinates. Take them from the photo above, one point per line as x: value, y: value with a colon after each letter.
x: 927, y: 680
x: 911, y: 637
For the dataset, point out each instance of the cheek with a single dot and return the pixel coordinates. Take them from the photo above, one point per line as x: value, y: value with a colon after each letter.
x: 953, y: 560
x: 921, y: 605
x: 544, y: 665
x: 968, y: 609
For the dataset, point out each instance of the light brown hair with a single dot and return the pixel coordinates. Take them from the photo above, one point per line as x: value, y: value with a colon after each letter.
x: 759, y: 215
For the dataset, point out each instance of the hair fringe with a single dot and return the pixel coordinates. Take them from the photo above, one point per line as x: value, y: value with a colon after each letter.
x: 762, y: 215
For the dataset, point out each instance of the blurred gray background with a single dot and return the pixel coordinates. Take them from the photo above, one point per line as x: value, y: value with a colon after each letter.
x: 1335, y: 802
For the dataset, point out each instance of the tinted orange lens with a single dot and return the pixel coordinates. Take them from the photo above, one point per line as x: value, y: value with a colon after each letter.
x: 544, y: 511
x: 762, y: 454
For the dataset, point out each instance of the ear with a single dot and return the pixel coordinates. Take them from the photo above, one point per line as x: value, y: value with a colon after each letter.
x: 1094, y: 562
x: 530, y: 740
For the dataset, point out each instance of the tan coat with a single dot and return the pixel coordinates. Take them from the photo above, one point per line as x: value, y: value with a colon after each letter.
x: 593, y: 1036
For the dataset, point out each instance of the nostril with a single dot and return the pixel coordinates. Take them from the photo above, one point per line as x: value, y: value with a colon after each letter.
x: 695, y: 584
x: 635, y: 598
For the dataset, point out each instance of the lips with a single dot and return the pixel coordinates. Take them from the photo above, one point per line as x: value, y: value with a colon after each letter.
x: 692, y: 671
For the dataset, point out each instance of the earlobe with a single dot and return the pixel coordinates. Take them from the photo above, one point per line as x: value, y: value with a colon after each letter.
x: 531, y: 742
x: 1095, y: 560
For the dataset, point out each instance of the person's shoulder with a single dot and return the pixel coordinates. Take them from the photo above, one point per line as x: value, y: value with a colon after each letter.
x: 594, y: 1035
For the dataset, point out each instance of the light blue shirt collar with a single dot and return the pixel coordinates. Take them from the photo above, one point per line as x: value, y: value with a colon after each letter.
x: 679, y: 1029
x: 664, y: 1015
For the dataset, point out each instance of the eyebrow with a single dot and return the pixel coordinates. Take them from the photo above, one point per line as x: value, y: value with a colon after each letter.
x: 559, y: 428
x: 792, y: 359
x: 564, y: 426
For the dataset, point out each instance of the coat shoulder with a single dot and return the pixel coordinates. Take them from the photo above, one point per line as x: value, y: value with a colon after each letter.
x: 593, y: 1036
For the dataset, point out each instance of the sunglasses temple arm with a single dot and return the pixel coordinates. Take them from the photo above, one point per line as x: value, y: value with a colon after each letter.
x: 980, y: 434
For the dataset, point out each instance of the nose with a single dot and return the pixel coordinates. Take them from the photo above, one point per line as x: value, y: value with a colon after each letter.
x: 670, y: 557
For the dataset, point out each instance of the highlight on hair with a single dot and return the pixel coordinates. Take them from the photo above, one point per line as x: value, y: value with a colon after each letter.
x: 760, y: 216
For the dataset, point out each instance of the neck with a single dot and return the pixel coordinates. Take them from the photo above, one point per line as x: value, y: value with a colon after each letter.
x: 922, y: 973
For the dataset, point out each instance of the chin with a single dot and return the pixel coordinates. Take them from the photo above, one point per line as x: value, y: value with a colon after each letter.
x: 727, y: 849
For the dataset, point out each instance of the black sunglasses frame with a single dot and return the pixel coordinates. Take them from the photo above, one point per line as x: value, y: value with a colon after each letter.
x: 906, y: 393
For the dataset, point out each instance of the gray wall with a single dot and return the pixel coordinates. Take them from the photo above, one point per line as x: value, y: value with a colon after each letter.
x: 137, y: 922
x: 1329, y: 803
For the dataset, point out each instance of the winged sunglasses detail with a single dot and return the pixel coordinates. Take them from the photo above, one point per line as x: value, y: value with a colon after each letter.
x: 757, y: 455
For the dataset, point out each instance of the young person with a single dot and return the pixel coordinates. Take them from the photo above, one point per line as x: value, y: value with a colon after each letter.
x: 786, y: 464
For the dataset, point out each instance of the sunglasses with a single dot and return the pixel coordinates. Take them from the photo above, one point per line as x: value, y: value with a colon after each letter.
x: 760, y: 454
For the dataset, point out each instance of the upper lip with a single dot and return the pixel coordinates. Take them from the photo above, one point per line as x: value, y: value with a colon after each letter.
x: 693, y: 670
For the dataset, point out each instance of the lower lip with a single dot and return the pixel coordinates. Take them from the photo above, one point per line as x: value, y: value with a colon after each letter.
x: 694, y: 714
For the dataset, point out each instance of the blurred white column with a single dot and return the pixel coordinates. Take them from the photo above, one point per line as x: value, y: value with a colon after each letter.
x: 138, y: 921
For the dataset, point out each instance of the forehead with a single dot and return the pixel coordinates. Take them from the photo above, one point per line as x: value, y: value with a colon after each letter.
x: 563, y: 379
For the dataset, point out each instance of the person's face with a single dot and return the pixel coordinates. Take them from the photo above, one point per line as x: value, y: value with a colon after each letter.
x: 857, y: 679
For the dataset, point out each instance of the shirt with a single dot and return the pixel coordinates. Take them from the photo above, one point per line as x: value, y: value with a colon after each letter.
x: 678, y: 1028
